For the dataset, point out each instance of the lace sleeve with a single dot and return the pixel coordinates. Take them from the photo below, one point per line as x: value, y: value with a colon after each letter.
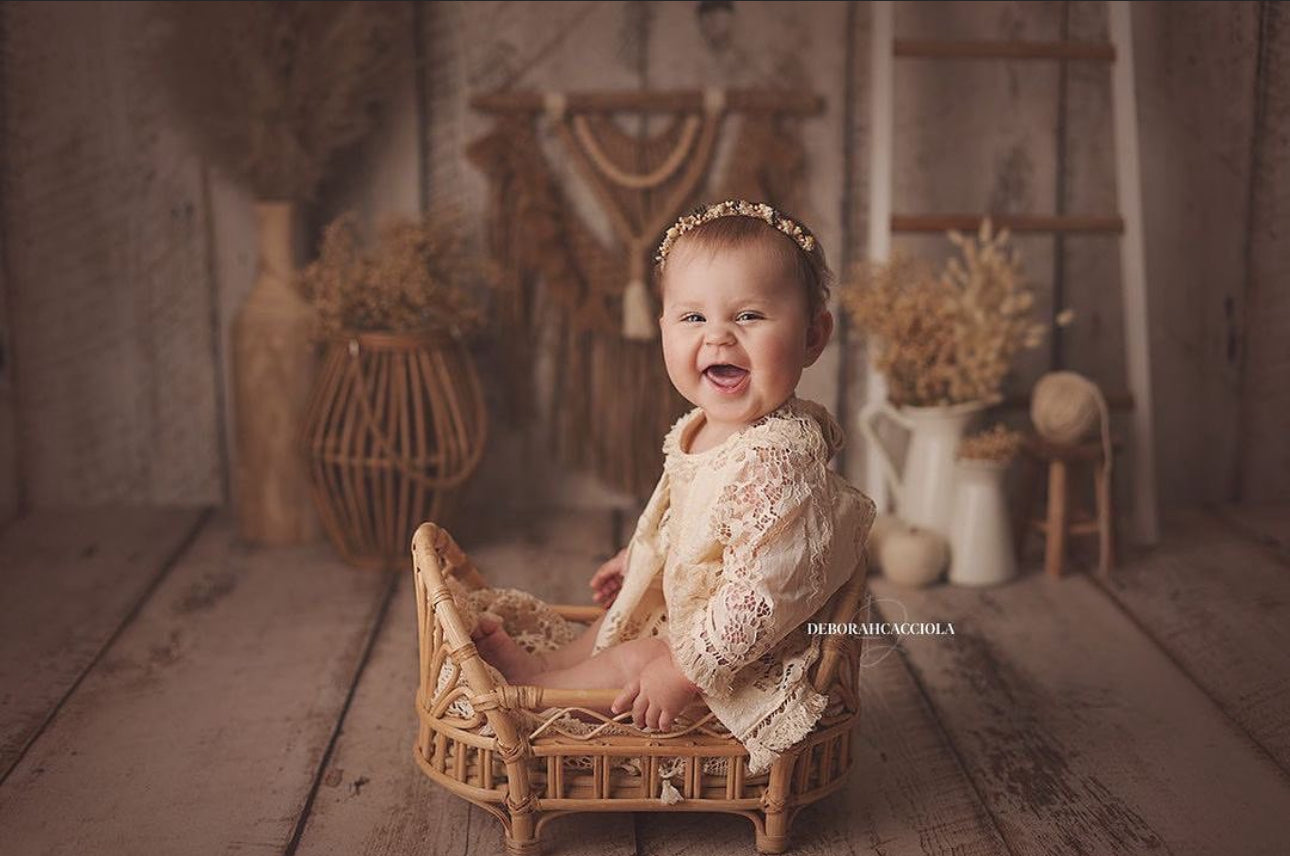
x: 774, y: 524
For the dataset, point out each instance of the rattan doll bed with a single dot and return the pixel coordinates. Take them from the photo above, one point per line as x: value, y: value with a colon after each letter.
x: 528, y: 770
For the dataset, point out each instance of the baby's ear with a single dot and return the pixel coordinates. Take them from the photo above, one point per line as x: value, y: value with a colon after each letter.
x: 817, y: 335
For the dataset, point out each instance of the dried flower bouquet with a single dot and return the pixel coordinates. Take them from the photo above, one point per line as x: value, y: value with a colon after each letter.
x: 999, y: 444
x: 946, y: 337
x: 421, y: 279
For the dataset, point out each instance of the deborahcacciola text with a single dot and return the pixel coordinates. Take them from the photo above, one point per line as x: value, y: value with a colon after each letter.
x: 884, y: 628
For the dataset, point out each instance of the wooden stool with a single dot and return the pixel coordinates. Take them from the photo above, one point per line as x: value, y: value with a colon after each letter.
x: 1062, y: 519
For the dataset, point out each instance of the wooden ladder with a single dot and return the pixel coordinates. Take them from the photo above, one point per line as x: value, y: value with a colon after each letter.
x: 1127, y: 223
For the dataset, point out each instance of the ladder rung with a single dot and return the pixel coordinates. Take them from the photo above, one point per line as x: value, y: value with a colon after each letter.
x: 940, y: 49
x: 1014, y: 222
x: 1115, y: 402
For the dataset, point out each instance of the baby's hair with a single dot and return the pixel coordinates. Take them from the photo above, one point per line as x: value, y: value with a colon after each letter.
x: 809, y: 268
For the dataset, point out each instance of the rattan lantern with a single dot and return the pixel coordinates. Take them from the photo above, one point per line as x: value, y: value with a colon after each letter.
x: 395, y: 425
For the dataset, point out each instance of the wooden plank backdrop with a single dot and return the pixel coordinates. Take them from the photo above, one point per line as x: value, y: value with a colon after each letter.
x: 124, y: 263
x: 1267, y: 523
x: 374, y: 799
x: 205, y: 723
x: 1079, y: 732
x: 241, y: 707
x: 70, y: 580
x: 1219, y: 604
x: 908, y: 793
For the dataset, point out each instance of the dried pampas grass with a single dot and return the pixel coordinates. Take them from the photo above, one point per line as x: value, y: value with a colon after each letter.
x: 950, y: 336
x: 273, y: 91
x: 421, y: 279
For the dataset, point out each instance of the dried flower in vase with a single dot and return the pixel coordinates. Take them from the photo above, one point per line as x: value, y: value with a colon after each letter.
x: 999, y: 443
x: 421, y: 279
x: 273, y: 91
x: 948, y: 337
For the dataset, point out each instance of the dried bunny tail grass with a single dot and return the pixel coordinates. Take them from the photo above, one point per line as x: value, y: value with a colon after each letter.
x: 273, y: 91
x: 947, y: 337
x: 999, y: 443
x: 422, y: 278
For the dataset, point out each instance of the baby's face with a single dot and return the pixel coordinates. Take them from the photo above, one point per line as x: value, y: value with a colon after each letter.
x: 735, y: 333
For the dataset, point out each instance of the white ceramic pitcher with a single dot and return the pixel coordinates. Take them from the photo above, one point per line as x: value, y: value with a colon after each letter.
x: 924, y: 492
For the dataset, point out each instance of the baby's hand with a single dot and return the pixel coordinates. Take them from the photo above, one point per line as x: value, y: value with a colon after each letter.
x: 657, y: 696
x: 609, y: 579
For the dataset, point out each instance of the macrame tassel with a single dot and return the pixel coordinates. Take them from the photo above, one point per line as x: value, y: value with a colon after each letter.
x: 638, y: 315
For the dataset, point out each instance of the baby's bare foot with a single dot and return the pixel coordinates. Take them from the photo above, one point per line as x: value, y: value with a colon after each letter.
x: 504, y: 653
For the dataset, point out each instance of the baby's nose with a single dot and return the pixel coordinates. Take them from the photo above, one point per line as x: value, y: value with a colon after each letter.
x: 718, y: 333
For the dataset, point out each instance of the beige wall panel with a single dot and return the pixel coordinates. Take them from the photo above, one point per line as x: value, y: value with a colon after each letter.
x: 1265, y: 426
x: 108, y: 287
x: 1195, y: 103
x: 10, y: 477
x: 10, y: 489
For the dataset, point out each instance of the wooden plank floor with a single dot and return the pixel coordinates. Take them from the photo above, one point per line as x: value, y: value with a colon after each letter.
x: 164, y: 689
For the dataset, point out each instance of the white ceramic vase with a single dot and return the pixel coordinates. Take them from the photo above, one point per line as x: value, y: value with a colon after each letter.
x: 924, y: 491
x: 981, y: 534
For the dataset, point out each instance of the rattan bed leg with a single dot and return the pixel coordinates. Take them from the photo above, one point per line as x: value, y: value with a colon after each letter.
x: 521, y: 836
x: 774, y: 804
x: 522, y: 840
x: 521, y: 802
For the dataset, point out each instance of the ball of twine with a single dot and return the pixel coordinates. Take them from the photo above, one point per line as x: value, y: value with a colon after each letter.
x: 1066, y: 406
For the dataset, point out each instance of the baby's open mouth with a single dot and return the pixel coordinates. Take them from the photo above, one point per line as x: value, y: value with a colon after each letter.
x: 725, y: 375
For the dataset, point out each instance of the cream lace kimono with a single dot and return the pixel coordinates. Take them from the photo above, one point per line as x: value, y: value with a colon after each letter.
x: 738, y: 547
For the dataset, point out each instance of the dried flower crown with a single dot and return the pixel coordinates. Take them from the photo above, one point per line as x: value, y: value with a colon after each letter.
x: 734, y: 208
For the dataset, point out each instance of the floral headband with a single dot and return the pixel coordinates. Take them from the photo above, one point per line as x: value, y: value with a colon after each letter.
x: 734, y: 208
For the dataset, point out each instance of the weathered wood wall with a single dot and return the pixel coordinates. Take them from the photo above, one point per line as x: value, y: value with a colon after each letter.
x: 1263, y: 454
x: 106, y: 252
x: 606, y: 46
x: 124, y: 263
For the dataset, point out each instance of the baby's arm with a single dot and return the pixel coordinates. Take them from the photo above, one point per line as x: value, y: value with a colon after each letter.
x: 608, y: 579
x: 775, y: 564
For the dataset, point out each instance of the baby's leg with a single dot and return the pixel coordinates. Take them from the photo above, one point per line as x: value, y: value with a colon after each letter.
x: 518, y: 665
x: 612, y: 668
x: 576, y: 651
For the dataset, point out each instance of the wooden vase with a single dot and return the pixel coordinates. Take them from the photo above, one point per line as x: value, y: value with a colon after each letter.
x: 395, y: 426
x: 274, y: 365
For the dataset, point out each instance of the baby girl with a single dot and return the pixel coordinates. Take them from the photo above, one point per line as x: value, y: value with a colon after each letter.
x: 748, y: 533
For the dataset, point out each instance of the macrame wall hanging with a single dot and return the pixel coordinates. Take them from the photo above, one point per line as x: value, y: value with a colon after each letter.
x: 611, y: 400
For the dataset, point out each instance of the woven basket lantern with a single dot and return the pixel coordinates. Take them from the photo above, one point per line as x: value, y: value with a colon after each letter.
x: 394, y: 427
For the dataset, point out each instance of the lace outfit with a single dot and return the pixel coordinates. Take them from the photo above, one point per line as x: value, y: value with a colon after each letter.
x: 751, y: 538
x: 738, y: 547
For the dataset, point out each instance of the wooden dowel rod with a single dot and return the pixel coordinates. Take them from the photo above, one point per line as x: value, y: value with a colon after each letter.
x: 737, y: 100
x: 1014, y: 222
x: 578, y: 612
x: 943, y: 49
x: 539, y: 698
x: 1117, y: 401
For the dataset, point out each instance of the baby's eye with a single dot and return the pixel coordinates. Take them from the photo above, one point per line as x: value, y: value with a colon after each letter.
x: 750, y: 316
x: 690, y: 315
